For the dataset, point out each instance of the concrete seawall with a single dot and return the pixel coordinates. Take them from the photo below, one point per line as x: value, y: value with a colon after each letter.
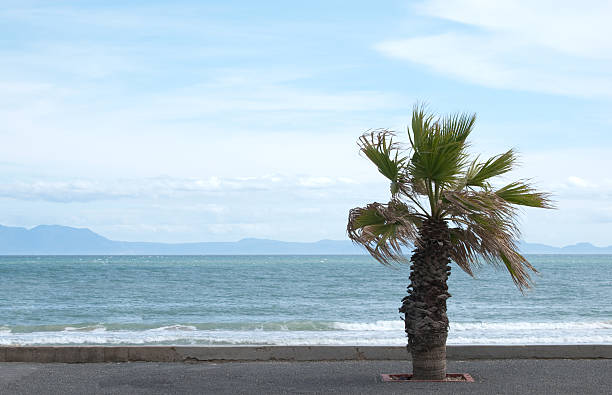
x: 85, y: 354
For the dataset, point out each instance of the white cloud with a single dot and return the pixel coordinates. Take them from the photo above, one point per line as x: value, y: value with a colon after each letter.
x: 148, y: 228
x: 260, y: 126
x: 574, y: 28
x: 573, y: 176
x: 247, y: 228
x: 75, y: 191
x: 84, y: 190
x: 346, y: 180
x: 580, y: 182
x: 522, y: 45
x: 228, y: 92
x: 315, y: 182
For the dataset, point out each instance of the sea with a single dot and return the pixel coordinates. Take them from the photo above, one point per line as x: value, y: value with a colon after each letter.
x: 288, y: 300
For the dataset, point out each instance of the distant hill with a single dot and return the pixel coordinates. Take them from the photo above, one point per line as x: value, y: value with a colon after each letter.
x: 579, y: 248
x: 64, y: 240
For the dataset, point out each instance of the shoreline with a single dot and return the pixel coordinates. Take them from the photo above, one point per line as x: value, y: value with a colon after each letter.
x: 97, y: 354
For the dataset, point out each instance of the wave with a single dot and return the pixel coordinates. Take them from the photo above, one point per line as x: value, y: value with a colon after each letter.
x: 370, y: 326
x: 526, y: 340
x: 211, y: 326
x: 275, y: 338
x: 177, y: 328
x: 290, y: 326
x: 482, y: 326
x: 85, y: 328
x: 303, y: 333
x: 511, y: 326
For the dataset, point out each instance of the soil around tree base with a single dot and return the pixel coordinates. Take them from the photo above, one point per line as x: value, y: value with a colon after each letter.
x: 407, y: 377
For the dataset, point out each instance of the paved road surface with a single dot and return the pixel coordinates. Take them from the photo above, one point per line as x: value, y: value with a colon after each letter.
x: 346, y: 377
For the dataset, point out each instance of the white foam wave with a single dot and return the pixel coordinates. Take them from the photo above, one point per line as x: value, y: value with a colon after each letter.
x: 513, y: 326
x: 523, y: 340
x: 367, y: 326
x: 171, y: 328
x: 482, y: 326
x: 89, y: 328
x: 278, y: 338
x: 338, y: 333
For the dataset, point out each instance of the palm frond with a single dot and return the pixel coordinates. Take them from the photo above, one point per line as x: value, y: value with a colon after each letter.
x: 439, y: 147
x: 523, y: 194
x: 462, y: 249
x: 459, y: 126
x: 421, y: 122
x: 473, y: 243
x: 488, y: 230
x: 383, y: 229
x: 479, y: 173
x: 379, y: 147
x: 518, y: 267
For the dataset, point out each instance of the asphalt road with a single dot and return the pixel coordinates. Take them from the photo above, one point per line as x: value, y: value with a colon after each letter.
x: 346, y: 377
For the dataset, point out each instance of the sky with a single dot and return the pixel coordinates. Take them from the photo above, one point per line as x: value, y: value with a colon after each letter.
x: 215, y: 121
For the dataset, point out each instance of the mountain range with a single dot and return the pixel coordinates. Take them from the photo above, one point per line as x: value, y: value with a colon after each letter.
x: 64, y: 240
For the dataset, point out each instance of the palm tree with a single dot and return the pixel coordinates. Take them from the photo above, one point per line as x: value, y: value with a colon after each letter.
x: 445, y: 205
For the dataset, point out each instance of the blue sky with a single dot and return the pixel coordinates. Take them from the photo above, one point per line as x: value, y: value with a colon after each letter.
x: 214, y: 121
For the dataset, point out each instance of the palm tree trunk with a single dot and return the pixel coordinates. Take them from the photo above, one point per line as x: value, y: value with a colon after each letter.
x: 424, y: 308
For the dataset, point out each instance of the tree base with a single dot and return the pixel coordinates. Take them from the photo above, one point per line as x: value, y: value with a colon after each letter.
x: 407, y: 377
x: 429, y: 364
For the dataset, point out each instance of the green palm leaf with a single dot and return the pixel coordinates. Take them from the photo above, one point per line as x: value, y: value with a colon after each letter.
x: 439, y: 146
x: 522, y: 194
x: 479, y: 173
x: 378, y: 146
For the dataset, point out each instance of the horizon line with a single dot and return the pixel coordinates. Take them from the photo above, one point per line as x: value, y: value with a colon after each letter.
x: 264, y: 239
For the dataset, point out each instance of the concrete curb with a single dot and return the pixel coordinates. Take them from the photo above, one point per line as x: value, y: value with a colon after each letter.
x: 85, y: 354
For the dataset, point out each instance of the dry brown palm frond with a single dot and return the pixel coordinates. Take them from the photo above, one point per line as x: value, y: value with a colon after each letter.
x: 488, y: 230
x: 379, y: 138
x: 382, y: 229
x: 493, y: 248
x: 463, y: 251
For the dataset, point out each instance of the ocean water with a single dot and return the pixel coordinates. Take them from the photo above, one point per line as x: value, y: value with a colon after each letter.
x: 288, y: 300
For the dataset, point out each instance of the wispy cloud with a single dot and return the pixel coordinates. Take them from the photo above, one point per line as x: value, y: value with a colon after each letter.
x: 580, y: 182
x: 569, y: 27
x: 550, y: 47
x: 581, y: 188
x: 83, y: 190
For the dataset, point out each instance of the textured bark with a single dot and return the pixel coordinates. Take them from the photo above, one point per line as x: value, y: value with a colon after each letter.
x: 426, y: 322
